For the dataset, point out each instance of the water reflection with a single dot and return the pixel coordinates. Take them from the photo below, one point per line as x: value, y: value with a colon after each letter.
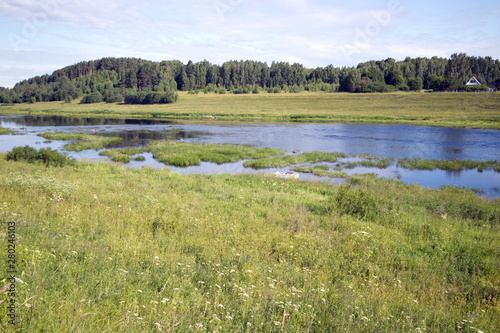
x: 23, y: 120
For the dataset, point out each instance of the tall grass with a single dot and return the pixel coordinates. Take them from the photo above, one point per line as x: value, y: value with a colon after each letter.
x: 104, y: 248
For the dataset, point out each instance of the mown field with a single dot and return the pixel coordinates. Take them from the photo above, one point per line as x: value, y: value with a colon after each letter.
x: 103, y: 248
x: 470, y: 110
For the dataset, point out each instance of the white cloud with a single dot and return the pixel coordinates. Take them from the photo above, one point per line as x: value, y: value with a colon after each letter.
x: 312, y: 32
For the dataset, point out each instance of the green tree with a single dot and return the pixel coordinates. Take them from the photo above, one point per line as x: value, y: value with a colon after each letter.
x: 415, y: 84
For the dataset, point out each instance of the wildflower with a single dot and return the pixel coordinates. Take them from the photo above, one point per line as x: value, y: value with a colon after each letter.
x: 139, y: 291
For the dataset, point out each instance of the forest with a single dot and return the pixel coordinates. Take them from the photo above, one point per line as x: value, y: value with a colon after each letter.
x: 138, y: 81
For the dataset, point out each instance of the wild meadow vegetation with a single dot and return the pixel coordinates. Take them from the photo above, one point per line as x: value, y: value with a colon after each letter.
x: 450, y: 109
x: 104, y: 248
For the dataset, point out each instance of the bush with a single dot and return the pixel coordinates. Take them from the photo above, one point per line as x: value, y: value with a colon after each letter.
x: 91, y: 98
x: 112, y: 96
x: 475, y: 88
x: 357, y: 203
x: 151, y: 98
x: 47, y: 156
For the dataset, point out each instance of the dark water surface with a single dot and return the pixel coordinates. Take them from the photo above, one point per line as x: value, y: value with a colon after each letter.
x: 398, y: 141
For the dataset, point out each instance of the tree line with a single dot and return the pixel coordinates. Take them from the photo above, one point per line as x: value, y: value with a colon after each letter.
x: 138, y: 81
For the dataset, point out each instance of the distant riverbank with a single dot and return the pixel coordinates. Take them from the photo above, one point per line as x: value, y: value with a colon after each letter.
x: 458, y: 110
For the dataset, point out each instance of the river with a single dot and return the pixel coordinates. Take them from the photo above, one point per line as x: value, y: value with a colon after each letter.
x: 397, y: 141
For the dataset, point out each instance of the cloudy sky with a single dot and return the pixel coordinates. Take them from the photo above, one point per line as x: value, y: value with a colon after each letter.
x: 40, y: 36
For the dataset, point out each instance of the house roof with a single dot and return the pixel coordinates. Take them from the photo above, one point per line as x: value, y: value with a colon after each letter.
x: 473, y: 81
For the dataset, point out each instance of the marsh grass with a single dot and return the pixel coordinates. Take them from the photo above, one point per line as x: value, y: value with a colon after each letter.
x: 123, y: 155
x: 287, y: 160
x: 370, y: 161
x: 183, y: 154
x: 104, y: 248
x: 452, y: 165
x: 4, y: 131
x: 83, y: 141
x: 320, y: 171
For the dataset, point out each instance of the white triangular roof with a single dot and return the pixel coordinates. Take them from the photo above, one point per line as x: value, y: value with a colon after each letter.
x: 473, y: 82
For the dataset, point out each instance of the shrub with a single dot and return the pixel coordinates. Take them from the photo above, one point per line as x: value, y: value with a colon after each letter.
x: 151, y: 98
x: 91, y: 98
x: 357, y: 203
x: 47, y: 156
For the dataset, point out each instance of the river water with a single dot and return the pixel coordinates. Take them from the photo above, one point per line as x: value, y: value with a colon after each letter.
x: 398, y: 141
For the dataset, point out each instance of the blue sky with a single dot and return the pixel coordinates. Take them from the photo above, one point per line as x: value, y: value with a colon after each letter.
x: 40, y: 36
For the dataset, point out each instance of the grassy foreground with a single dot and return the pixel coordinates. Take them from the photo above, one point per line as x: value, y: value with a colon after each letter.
x: 471, y: 110
x: 103, y: 248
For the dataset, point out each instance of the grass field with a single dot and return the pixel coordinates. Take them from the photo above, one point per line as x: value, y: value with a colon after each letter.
x: 103, y: 248
x: 470, y: 110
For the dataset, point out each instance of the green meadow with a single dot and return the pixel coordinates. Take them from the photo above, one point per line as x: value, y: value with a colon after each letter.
x: 104, y: 248
x: 468, y: 110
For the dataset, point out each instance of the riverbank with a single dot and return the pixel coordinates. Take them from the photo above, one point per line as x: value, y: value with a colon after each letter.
x: 460, y: 110
x: 102, y: 247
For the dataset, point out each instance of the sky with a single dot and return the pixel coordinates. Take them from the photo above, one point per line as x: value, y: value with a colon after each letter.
x: 40, y: 36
